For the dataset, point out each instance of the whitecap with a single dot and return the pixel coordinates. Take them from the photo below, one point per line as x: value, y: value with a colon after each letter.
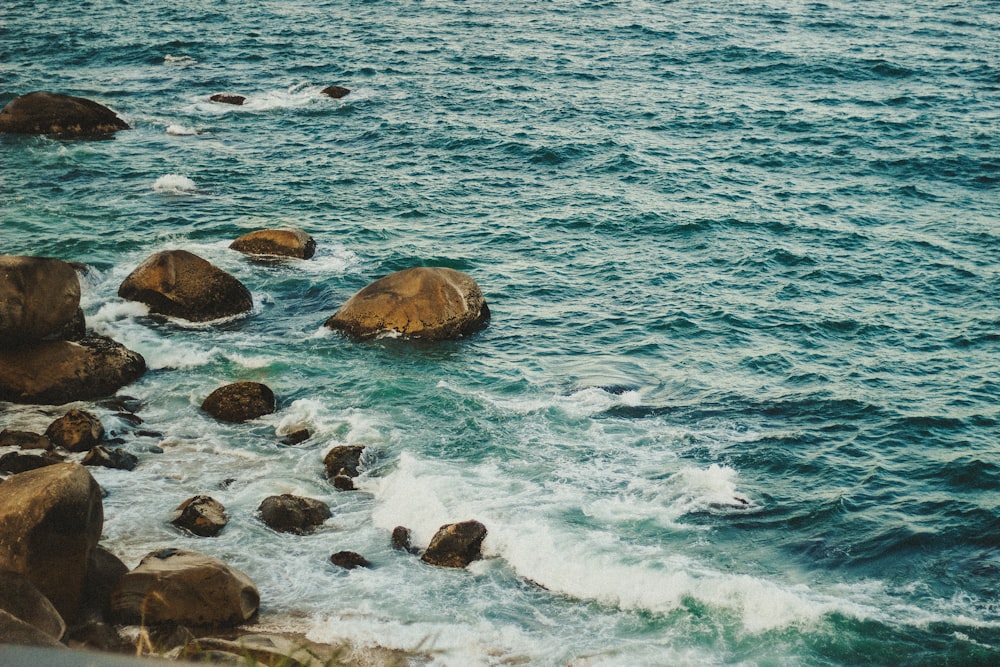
x: 174, y: 184
x: 178, y: 61
x: 181, y: 130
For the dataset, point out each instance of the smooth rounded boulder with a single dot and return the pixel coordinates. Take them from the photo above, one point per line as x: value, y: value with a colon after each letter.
x: 431, y: 303
x: 184, y: 588
x: 50, y: 521
x: 59, y: 115
x: 201, y: 515
x: 57, y: 372
x: 39, y: 297
x: 288, y: 513
x: 456, y: 544
x: 77, y: 431
x: 178, y: 283
x: 239, y: 401
x: 21, y: 598
x: 276, y: 243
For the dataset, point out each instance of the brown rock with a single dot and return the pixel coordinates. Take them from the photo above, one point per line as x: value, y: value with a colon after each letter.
x: 186, y: 588
x: 349, y: 560
x: 180, y: 284
x: 104, y: 570
x: 293, y: 514
x: 24, y: 440
x: 292, y: 439
x: 39, y: 296
x: 402, y: 539
x: 239, y: 402
x: 224, y: 98
x: 56, y: 372
x: 456, y: 544
x: 15, y: 631
x: 423, y: 302
x: 343, y: 460
x: 336, y: 92
x: 21, y: 598
x: 202, y: 515
x: 15, y: 462
x: 60, y: 115
x: 77, y: 431
x: 50, y: 521
x: 117, y: 459
x: 276, y: 243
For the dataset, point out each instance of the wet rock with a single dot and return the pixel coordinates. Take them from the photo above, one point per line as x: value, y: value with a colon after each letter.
x: 59, y: 115
x: 24, y: 440
x: 117, y: 459
x: 430, y: 303
x: 225, y: 98
x: 239, y: 402
x: 343, y: 460
x: 349, y: 560
x: 50, y: 521
x: 202, y: 515
x: 402, y: 539
x: 293, y: 514
x: 77, y: 431
x: 336, y: 92
x: 20, y: 597
x: 56, y: 372
x: 276, y: 243
x: 16, y: 462
x: 343, y: 483
x: 456, y: 544
x: 185, y: 588
x: 177, y: 283
x: 39, y: 297
x: 296, y: 437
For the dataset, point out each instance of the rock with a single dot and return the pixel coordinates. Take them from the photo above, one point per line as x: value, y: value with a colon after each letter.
x: 423, y: 302
x: 75, y: 329
x: 402, y: 539
x: 15, y: 462
x: 186, y: 588
x: 56, y: 372
x: 224, y: 98
x: 22, y: 599
x: 24, y: 440
x: 293, y: 438
x: 255, y: 650
x: 349, y: 560
x: 239, y: 402
x: 77, y: 431
x: 336, y: 92
x: 60, y: 115
x: 39, y: 296
x: 293, y: 514
x: 104, y: 570
x: 343, y: 460
x: 202, y: 515
x: 98, y: 636
x: 177, y: 283
x: 15, y: 631
x: 456, y: 544
x: 343, y: 483
x: 50, y: 521
x: 117, y: 459
x: 276, y: 243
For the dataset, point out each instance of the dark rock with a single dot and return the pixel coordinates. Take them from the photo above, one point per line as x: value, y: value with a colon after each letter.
x: 24, y: 440
x: 456, y: 544
x: 293, y: 514
x: 50, y: 521
x: 39, y: 296
x: 77, y: 431
x: 180, y: 284
x: 343, y: 483
x: 239, y: 402
x: 56, y: 372
x: 15, y: 462
x: 20, y: 597
x: 60, y: 115
x: 276, y: 243
x: 349, y: 560
x: 15, y: 631
x: 336, y: 92
x: 202, y: 515
x: 104, y: 570
x: 185, y: 588
x: 402, y: 539
x: 98, y: 636
x: 424, y: 302
x: 129, y: 418
x: 296, y: 437
x: 343, y: 460
x: 75, y: 329
x: 224, y: 98
x: 117, y: 459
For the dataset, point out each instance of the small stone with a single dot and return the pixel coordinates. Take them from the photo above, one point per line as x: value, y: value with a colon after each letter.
x: 202, y: 515
x: 344, y: 483
x: 343, y: 460
x: 336, y: 92
x: 296, y: 437
x: 402, y: 539
x: 349, y: 560
x: 224, y: 98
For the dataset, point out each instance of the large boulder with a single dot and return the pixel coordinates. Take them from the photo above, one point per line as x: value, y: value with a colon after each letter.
x: 293, y: 514
x: 185, y: 588
x: 180, y: 284
x: 15, y: 631
x: 276, y: 243
x: 431, y: 303
x: 50, y: 521
x: 20, y: 597
x: 239, y: 402
x: 456, y: 544
x: 77, y: 431
x: 60, y: 115
x: 56, y: 372
x: 202, y: 515
x: 39, y: 297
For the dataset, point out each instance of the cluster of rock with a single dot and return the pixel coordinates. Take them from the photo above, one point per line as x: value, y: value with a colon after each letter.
x: 336, y: 92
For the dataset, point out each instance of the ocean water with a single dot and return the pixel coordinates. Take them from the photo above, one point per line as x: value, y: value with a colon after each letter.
x: 739, y: 399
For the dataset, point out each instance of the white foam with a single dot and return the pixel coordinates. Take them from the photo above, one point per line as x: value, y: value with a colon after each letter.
x: 178, y: 61
x: 174, y: 184
x: 181, y: 130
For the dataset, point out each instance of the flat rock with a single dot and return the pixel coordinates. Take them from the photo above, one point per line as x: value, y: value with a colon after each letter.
x: 59, y: 115
x: 226, y: 98
x: 24, y: 440
x: 276, y: 243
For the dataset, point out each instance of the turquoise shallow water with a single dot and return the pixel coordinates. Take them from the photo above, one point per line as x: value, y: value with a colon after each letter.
x: 738, y: 402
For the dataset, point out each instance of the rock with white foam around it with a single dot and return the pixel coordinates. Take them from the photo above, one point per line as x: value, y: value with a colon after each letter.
x: 59, y: 115
x: 456, y: 544
x: 276, y: 243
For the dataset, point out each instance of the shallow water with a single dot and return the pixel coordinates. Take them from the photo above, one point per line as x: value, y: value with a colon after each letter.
x: 738, y: 401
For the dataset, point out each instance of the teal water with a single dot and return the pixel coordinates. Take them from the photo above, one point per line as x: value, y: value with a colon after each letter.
x: 738, y: 401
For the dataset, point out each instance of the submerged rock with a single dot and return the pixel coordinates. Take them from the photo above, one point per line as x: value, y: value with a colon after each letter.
x: 202, y: 515
x: 456, y: 544
x: 117, y: 459
x: 59, y: 115
x: 225, y: 98
x: 39, y: 298
x: 276, y: 243
x: 77, y: 431
x: 177, y: 283
x: 430, y: 303
x: 349, y: 560
x: 293, y: 514
x: 239, y: 402
x: 336, y: 92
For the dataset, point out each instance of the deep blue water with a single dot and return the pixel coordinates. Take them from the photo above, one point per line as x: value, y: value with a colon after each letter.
x: 739, y: 399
